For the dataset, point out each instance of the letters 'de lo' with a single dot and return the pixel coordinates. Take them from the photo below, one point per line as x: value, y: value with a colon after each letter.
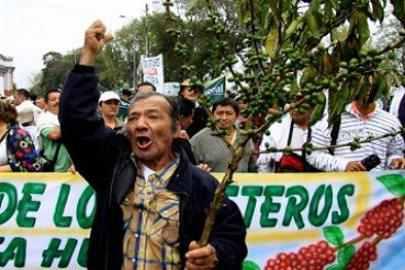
x: 45, y: 219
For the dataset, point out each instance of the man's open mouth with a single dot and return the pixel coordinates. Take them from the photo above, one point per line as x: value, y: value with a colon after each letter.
x: 143, y: 142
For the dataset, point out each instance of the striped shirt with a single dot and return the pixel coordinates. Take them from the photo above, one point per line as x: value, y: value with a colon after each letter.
x: 151, y: 218
x: 353, y: 126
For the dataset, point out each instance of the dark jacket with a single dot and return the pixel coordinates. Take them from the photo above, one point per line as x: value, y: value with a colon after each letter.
x: 103, y: 159
x: 200, y: 121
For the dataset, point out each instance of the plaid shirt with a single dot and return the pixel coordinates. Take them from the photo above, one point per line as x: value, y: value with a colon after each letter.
x: 151, y: 218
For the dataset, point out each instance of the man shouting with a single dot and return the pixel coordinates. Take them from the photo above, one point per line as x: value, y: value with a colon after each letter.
x: 151, y: 202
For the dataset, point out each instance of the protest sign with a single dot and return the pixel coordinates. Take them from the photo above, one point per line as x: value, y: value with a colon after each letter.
x: 45, y: 218
x: 153, y: 71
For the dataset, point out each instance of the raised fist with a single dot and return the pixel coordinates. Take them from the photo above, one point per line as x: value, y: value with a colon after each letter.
x: 94, y: 41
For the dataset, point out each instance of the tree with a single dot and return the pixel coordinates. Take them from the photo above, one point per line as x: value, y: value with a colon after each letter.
x: 304, y: 47
x: 54, y: 73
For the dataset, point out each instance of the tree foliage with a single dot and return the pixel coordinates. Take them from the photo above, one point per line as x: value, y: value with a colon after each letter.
x: 306, y: 47
x: 155, y: 34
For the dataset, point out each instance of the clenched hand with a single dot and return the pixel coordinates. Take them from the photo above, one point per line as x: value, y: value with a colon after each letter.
x: 94, y: 40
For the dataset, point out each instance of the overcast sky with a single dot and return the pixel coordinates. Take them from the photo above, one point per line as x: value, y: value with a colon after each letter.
x: 31, y: 28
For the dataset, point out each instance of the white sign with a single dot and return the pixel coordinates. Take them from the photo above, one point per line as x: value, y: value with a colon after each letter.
x: 156, y: 5
x: 171, y: 89
x: 153, y: 71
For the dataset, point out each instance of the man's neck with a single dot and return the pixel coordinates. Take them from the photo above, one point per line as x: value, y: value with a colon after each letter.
x: 110, y: 121
x: 303, y: 124
x: 157, y: 165
x: 53, y: 111
x: 230, y: 135
x: 364, y: 109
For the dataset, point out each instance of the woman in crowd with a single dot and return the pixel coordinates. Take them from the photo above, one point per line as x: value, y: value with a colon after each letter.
x: 17, y: 151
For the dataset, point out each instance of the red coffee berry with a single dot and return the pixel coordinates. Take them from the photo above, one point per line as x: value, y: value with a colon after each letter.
x: 383, y: 220
x: 312, y: 257
x: 361, y: 260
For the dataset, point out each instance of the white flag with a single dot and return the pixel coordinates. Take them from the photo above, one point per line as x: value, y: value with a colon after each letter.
x: 156, y: 6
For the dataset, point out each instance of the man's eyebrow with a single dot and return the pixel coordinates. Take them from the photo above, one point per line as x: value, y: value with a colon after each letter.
x: 147, y: 111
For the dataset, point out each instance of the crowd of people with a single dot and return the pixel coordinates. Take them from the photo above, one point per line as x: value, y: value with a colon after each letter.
x: 36, y: 120
x: 147, y: 156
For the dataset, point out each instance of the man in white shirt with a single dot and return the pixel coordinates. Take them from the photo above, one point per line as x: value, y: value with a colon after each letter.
x: 50, y: 133
x: 398, y: 96
x: 28, y: 113
x: 361, y: 119
x: 292, y: 131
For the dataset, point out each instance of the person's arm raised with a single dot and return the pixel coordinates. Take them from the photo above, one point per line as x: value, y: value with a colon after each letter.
x: 94, y: 40
x: 92, y: 147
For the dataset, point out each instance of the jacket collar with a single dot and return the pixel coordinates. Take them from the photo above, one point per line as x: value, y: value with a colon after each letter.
x: 125, y: 174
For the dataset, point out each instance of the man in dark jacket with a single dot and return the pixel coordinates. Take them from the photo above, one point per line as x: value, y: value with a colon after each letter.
x: 151, y: 202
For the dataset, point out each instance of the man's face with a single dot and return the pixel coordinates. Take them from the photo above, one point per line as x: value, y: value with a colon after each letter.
x: 18, y: 99
x: 53, y: 102
x: 144, y: 89
x: 191, y: 93
x: 185, y: 122
x: 109, y: 108
x: 225, y: 116
x: 40, y: 103
x: 301, y: 118
x: 150, y: 131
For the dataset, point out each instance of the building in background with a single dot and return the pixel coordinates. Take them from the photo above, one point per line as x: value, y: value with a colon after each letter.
x: 6, y: 75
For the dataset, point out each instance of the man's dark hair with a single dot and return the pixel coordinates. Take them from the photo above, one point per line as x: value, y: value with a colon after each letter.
x: 8, y: 112
x: 50, y: 91
x: 24, y: 92
x: 198, y: 87
x: 126, y: 92
x: 174, y: 113
x: 185, y: 106
x: 146, y: 84
x: 227, y: 102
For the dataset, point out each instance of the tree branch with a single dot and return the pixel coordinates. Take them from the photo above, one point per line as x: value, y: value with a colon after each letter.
x: 394, y: 46
x: 253, y: 29
x: 368, y: 140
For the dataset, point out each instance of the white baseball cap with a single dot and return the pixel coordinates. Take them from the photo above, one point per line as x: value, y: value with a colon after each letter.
x: 108, y: 95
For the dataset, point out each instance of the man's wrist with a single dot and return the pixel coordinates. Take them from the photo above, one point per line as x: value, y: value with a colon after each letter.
x: 87, y: 58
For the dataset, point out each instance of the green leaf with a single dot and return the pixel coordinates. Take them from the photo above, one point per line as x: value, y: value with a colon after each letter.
x: 315, y: 5
x: 333, y: 235
x: 345, y: 254
x: 340, y: 33
x: 335, y: 267
x: 363, y: 28
x: 394, y: 183
x: 319, y: 109
x: 272, y: 40
x: 312, y: 23
x: 274, y: 6
x: 292, y: 28
x: 308, y: 75
x: 244, y: 12
x: 250, y: 265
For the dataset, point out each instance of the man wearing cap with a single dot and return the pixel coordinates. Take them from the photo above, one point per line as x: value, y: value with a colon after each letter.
x: 200, y: 118
x: 108, y: 106
x: 28, y: 113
